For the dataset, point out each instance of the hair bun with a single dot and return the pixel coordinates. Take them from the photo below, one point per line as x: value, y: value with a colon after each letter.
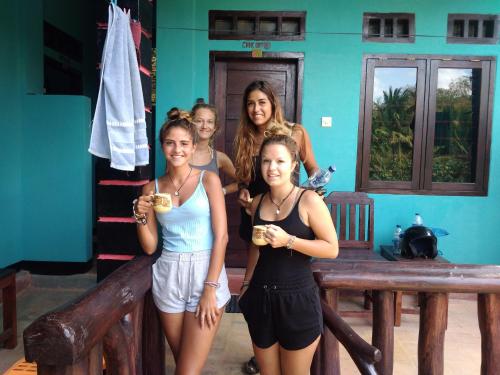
x: 277, y: 129
x: 178, y: 114
x: 173, y: 113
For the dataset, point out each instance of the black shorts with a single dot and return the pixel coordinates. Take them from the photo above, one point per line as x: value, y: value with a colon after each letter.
x: 287, y: 314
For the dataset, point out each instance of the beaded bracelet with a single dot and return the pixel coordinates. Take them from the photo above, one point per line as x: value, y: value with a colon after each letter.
x: 244, y: 284
x: 139, y: 218
x: 291, y: 240
x: 213, y: 284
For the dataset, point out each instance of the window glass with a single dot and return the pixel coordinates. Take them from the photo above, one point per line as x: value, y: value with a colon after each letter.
x: 268, y: 25
x: 456, y: 126
x: 403, y: 28
x: 473, y: 28
x: 393, y: 122
x: 223, y: 25
x: 488, y: 29
x: 458, y: 28
x: 374, y: 27
x: 388, y: 27
x: 245, y: 26
x: 290, y: 26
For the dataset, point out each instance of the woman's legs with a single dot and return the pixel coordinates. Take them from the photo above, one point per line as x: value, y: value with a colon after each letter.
x: 268, y: 359
x: 298, y: 362
x: 195, y: 344
x: 251, y: 366
x: 172, y: 328
x: 189, y: 343
x: 276, y: 360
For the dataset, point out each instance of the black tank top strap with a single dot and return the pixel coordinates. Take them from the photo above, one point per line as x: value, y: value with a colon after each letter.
x: 257, y: 210
x: 296, y: 205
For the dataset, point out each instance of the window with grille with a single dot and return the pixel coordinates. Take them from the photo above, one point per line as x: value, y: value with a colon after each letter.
x: 473, y: 28
x: 256, y: 25
x: 389, y: 27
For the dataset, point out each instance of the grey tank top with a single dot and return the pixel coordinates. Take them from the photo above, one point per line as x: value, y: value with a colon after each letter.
x: 211, y: 166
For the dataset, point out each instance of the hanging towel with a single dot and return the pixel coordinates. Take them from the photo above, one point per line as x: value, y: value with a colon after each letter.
x: 119, y: 126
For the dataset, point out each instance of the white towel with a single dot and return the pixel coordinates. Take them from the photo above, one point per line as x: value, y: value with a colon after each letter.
x: 119, y: 126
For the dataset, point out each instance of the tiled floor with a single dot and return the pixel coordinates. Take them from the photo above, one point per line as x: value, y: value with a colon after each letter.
x: 232, y: 346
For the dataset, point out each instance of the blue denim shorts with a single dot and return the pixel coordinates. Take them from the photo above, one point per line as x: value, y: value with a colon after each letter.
x: 178, y: 281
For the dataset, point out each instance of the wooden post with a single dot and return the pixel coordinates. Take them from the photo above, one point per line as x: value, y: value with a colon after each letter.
x: 398, y: 306
x: 488, y: 311
x: 8, y: 287
x: 329, y: 355
x: 433, y: 320
x: 153, y: 345
x: 383, y: 329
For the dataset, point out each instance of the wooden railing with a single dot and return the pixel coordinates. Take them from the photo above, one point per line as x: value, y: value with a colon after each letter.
x: 117, y: 319
x: 433, y: 282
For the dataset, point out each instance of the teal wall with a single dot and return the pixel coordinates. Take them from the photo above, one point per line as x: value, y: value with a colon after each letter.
x: 57, y: 167
x: 332, y: 79
x: 46, y: 171
x: 10, y: 153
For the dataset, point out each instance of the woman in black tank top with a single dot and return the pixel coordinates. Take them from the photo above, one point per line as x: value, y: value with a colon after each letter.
x: 279, y: 299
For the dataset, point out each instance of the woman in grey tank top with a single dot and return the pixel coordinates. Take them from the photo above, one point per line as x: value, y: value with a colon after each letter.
x: 205, y: 156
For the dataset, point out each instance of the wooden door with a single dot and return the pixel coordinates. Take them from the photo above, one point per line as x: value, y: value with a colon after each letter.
x: 230, y: 75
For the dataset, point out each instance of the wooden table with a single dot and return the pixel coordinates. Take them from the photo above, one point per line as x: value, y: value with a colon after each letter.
x: 387, y: 252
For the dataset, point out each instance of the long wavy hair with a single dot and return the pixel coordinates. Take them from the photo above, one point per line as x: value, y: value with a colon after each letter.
x: 244, y: 142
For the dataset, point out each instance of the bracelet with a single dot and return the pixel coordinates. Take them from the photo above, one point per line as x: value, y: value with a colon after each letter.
x: 224, y: 191
x: 244, y: 284
x: 291, y: 240
x: 139, y: 218
x: 213, y: 284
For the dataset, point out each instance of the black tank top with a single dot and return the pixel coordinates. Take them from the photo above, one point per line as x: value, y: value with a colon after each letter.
x: 281, y: 265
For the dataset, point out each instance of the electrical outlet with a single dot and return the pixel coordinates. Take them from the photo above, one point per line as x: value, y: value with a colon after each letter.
x: 326, y: 122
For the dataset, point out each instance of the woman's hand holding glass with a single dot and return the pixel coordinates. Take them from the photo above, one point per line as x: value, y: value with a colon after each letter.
x: 144, y: 204
x: 276, y: 236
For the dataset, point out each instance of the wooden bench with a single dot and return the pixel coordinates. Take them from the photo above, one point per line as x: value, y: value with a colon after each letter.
x: 433, y: 282
x: 8, y: 337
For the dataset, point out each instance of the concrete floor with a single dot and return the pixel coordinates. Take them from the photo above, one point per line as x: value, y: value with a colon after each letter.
x: 233, y: 347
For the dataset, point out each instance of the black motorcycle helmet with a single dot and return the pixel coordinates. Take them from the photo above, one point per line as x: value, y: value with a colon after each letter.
x: 419, y: 242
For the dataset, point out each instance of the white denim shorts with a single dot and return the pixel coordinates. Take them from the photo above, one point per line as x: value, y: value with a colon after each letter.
x: 178, y: 281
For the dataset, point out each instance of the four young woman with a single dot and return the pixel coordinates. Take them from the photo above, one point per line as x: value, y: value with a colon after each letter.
x: 279, y: 298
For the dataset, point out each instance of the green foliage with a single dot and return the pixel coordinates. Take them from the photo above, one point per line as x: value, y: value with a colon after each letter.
x: 393, y: 120
x: 393, y: 125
